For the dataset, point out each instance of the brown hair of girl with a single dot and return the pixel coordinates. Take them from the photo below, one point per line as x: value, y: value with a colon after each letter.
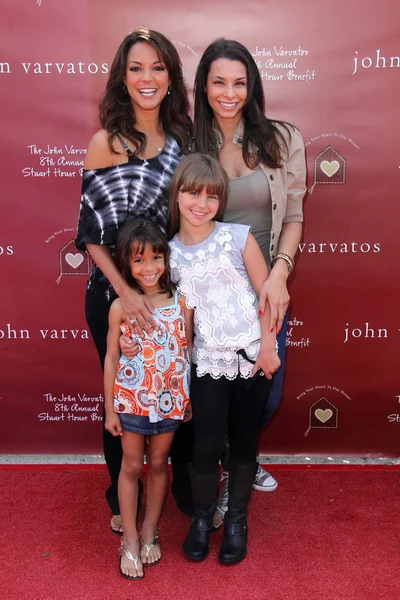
x: 196, y: 172
x: 132, y: 239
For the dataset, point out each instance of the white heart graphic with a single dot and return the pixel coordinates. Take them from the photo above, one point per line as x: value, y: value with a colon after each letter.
x: 323, y: 415
x: 74, y: 260
x: 329, y: 168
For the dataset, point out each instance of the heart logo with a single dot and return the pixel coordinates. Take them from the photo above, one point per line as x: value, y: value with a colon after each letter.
x: 74, y: 260
x: 323, y: 415
x: 329, y: 168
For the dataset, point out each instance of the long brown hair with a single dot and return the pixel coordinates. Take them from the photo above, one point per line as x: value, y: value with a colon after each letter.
x: 133, y: 237
x: 259, y: 131
x: 196, y: 172
x: 116, y: 110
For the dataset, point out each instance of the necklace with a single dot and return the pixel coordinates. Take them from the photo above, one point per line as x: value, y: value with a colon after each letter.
x: 159, y: 148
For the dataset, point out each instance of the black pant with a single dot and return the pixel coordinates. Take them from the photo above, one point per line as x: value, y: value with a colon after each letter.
x: 96, y: 309
x: 223, y: 407
x: 181, y: 456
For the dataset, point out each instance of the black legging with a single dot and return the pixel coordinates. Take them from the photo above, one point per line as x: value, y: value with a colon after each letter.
x: 96, y: 309
x: 220, y: 407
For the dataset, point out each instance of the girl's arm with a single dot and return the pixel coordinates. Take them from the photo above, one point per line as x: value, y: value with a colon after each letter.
x: 188, y: 314
x: 256, y: 267
x: 115, y: 318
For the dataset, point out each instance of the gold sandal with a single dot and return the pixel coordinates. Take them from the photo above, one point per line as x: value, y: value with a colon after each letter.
x: 148, y: 548
x: 135, y: 559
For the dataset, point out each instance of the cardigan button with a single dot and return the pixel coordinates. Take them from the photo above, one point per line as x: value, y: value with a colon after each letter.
x: 273, y: 236
x: 274, y: 207
x: 272, y: 247
x: 240, y: 140
x: 271, y: 177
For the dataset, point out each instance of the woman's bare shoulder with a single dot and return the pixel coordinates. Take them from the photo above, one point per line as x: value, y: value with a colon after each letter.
x: 99, y: 154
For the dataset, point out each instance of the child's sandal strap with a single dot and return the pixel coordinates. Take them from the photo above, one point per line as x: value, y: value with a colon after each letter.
x: 129, y: 555
x: 148, y: 547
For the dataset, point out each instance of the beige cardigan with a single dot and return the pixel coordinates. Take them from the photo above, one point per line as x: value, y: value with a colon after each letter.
x: 287, y: 184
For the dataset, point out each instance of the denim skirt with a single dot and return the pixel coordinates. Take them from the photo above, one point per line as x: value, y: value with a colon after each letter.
x: 142, y: 425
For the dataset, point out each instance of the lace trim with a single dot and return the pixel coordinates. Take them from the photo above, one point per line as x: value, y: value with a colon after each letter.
x: 229, y: 373
x: 227, y: 356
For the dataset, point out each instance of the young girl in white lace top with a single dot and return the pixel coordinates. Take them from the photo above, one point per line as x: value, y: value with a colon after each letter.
x: 220, y: 270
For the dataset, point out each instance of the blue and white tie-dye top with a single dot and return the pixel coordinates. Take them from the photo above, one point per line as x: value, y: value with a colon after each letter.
x: 113, y: 195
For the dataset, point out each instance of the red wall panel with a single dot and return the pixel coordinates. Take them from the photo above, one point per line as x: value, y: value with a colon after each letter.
x: 330, y: 68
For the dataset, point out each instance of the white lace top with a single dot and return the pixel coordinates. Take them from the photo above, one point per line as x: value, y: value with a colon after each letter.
x: 212, y: 277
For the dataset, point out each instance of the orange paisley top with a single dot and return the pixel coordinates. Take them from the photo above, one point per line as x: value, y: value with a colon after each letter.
x: 155, y: 383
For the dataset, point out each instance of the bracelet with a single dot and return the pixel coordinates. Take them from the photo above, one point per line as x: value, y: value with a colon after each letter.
x: 287, y: 258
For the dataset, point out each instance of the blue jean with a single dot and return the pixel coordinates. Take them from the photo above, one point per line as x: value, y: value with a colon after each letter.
x: 275, y: 394
x: 142, y: 425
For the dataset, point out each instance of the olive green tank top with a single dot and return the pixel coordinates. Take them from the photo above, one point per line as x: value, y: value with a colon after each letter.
x: 249, y: 203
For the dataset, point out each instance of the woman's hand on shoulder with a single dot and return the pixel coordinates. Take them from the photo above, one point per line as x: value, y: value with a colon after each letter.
x: 138, y: 310
x: 99, y: 155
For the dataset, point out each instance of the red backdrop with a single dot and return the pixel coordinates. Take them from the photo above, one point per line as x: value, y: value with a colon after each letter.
x: 330, y: 68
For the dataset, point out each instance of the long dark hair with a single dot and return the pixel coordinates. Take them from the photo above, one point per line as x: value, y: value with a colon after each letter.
x: 259, y: 131
x: 133, y: 237
x: 196, y: 172
x: 116, y: 111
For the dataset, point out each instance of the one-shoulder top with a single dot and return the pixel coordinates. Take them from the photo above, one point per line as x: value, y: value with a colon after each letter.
x: 113, y: 195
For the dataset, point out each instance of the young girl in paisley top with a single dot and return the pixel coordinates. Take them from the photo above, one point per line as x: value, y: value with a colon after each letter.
x: 146, y: 397
x: 220, y: 271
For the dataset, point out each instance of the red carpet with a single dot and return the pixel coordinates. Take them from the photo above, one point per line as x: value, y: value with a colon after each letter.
x: 323, y: 535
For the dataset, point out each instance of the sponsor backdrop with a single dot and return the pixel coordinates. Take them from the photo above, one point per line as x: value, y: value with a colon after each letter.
x: 331, y: 68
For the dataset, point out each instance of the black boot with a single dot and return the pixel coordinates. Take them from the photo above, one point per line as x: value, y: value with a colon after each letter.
x: 204, y: 488
x: 234, y: 545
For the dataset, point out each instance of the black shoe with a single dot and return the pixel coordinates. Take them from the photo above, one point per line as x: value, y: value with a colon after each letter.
x: 204, y: 487
x: 195, y: 546
x: 234, y: 545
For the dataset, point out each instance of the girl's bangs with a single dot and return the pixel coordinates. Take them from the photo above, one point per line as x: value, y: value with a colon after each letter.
x: 142, y: 238
x: 198, y: 177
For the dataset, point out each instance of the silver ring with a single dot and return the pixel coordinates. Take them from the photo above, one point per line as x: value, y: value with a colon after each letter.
x: 132, y: 321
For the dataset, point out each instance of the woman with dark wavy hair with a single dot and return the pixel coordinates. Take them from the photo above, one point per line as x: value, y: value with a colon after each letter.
x: 128, y: 167
x: 264, y: 161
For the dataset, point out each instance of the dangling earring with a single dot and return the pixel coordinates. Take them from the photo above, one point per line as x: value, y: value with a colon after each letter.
x: 128, y: 102
x: 169, y: 89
